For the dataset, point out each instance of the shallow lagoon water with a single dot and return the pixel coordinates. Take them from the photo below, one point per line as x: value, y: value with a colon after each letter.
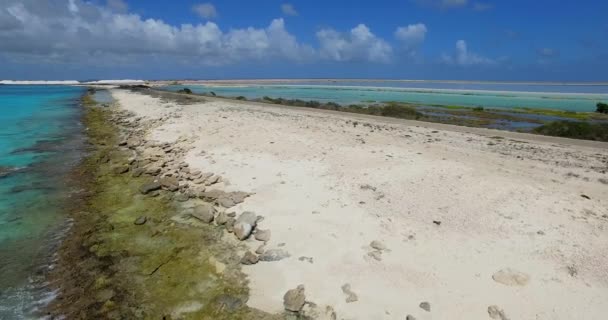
x: 560, y: 97
x: 41, y: 139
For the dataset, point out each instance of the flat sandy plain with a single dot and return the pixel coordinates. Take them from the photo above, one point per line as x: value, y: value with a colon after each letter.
x: 464, y: 218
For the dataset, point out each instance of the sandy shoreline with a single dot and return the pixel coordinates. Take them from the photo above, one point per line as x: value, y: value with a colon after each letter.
x: 453, y: 206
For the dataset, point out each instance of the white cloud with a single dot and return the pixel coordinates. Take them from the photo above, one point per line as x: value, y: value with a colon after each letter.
x: 412, y: 36
x: 288, y: 9
x: 81, y: 32
x: 117, y: 5
x: 78, y: 32
x: 358, y: 45
x: 205, y: 10
x: 463, y: 57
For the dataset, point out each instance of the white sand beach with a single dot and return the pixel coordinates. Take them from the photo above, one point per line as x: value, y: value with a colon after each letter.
x: 464, y: 218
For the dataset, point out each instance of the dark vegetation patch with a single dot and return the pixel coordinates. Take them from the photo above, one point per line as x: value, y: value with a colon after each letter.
x: 575, y: 130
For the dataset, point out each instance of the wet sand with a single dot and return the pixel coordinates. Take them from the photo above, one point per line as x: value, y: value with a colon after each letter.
x: 380, y: 215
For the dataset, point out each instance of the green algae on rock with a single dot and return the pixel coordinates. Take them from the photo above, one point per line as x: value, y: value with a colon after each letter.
x: 110, y: 267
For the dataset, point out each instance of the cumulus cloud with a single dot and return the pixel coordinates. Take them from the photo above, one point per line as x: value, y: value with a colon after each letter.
x: 412, y: 36
x: 80, y: 32
x: 464, y: 57
x: 360, y: 44
x: 43, y: 30
x: 118, y: 5
x: 288, y: 9
x: 205, y: 10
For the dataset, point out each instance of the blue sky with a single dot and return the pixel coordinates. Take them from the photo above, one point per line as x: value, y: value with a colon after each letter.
x: 407, y: 39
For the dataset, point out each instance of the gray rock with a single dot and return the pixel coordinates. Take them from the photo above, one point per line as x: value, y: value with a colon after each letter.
x: 425, y: 306
x: 181, y: 197
x: 262, y: 235
x: 153, y: 169
x: 230, y: 224
x: 496, y: 313
x: 140, y: 220
x: 137, y: 172
x: 221, y: 218
x: 377, y: 245
x: 377, y: 255
x: 249, y: 258
x: 226, y: 202
x: 204, y: 212
x: 248, y: 217
x: 260, y: 249
x: 308, y: 259
x: 133, y: 142
x: 169, y: 183
x: 212, y: 180
x: 294, y: 299
x: 244, y: 225
x: 350, y: 295
x: 410, y: 317
x: 242, y: 230
x: 149, y: 187
x: 511, y: 277
x: 274, y: 255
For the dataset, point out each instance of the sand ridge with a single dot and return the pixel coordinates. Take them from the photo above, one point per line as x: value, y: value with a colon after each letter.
x: 453, y: 210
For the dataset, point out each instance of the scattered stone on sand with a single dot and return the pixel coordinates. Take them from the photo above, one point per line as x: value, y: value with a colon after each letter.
x: 312, y: 311
x: 231, y: 199
x: 350, y: 295
x: 377, y: 245
x: 377, y: 255
x: 140, y: 220
x: 181, y: 197
x: 245, y: 224
x: 511, y: 277
x: 137, y: 172
x: 410, y: 317
x: 585, y: 196
x: 497, y: 313
x: 169, y: 183
x: 203, y: 212
x: 260, y: 249
x: 262, y: 235
x: 294, y: 299
x: 249, y: 258
x: 308, y: 259
x: 572, y: 270
x: 149, y: 187
x: 437, y: 222
x: 242, y: 230
x: 274, y: 255
x: 221, y: 218
x: 425, y: 306
x: 230, y: 224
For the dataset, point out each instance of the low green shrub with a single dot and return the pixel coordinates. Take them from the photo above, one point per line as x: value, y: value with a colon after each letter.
x: 575, y: 130
x: 602, y: 107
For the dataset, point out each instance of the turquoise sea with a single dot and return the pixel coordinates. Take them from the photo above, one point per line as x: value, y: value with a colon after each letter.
x: 41, y: 139
x: 572, y: 97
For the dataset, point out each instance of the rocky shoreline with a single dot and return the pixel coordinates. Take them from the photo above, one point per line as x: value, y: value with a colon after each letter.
x: 152, y: 237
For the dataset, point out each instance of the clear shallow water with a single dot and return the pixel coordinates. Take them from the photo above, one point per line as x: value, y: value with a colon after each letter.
x: 41, y: 139
x: 561, y: 97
